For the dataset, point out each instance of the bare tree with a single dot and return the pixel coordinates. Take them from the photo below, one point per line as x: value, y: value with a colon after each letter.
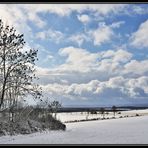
x: 17, y: 73
x: 16, y: 68
x: 102, y: 111
x: 55, y: 105
x: 114, y: 109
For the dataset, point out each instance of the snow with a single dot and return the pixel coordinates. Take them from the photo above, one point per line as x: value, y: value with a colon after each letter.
x: 66, y: 117
x: 132, y: 130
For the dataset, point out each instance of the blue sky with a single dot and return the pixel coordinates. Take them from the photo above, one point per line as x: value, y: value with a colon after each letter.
x: 89, y: 54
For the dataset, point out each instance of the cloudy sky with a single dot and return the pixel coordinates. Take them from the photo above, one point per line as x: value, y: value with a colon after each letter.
x: 89, y: 54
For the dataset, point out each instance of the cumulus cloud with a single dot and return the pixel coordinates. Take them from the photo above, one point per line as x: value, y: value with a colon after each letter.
x: 102, y: 34
x: 117, y: 56
x: 85, y: 75
x: 107, y: 76
x: 114, y: 88
x: 81, y: 66
x: 78, y: 59
x: 84, y: 18
x: 139, y: 38
x: 136, y: 68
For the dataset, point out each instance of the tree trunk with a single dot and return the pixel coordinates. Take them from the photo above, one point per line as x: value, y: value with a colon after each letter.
x: 3, y: 94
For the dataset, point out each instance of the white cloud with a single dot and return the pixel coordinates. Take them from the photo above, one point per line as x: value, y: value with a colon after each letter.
x: 10, y: 14
x: 116, y: 82
x: 51, y: 34
x: 136, y: 68
x: 106, y: 9
x: 55, y: 35
x: 138, y: 87
x: 41, y: 49
x: 85, y: 76
x: 36, y: 19
x: 41, y: 35
x: 139, y: 38
x: 117, y: 56
x: 104, y: 33
x: 101, y: 35
x: 107, y: 54
x: 139, y: 10
x: 41, y: 71
x: 79, y: 38
x: 114, y: 88
x: 82, y: 66
x: 16, y: 14
x: 117, y: 24
x: 66, y: 9
x: 49, y: 56
x: 122, y: 56
x: 84, y: 18
x: 78, y: 59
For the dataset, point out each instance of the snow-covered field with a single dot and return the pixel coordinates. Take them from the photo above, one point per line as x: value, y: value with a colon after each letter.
x: 132, y: 130
x: 65, y: 117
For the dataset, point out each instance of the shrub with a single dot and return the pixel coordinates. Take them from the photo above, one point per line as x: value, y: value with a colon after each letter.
x: 30, y: 126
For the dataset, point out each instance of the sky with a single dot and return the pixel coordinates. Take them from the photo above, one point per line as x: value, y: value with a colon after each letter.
x: 89, y: 54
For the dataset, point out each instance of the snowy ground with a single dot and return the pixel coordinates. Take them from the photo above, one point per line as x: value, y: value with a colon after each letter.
x: 133, y: 130
x: 66, y: 117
